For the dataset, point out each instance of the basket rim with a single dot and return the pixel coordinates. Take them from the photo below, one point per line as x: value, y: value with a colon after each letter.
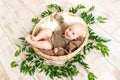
x: 59, y: 58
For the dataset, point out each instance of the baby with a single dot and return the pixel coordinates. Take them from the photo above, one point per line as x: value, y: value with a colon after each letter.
x: 45, y: 40
x: 41, y: 40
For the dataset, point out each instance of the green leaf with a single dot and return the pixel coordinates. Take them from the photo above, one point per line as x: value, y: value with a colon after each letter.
x: 100, y: 39
x: 101, y: 19
x: 22, y: 38
x: 24, y: 48
x: 38, y: 63
x: 31, y: 70
x: 29, y: 59
x: 17, y: 53
x: 80, y: 6
x: 35, y: 20
x: 14, y: 64
x: 73, y: 10
x: 91, y: 76
x: 58, y: 8
x: 91, y: 9
x: 45, y: 13
x: 18, y: 45
x: 64, y: 74
x: 51, y: 75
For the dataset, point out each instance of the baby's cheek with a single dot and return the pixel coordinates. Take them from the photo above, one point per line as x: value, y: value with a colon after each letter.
x: 75, y: 37
x: 72, y: 37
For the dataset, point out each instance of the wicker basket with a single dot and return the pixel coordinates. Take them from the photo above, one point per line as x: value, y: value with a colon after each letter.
x: 58, y: 58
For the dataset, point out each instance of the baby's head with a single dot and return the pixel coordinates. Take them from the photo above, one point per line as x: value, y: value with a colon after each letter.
x: 74, y: 31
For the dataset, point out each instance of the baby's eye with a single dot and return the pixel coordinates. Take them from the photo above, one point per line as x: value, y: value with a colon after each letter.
x: 73, y: 33
x: 70, y: 29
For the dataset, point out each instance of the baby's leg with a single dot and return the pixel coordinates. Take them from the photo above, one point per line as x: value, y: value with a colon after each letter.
x: 39, y: 44
x: 44, y: 34
x: 42, y: 44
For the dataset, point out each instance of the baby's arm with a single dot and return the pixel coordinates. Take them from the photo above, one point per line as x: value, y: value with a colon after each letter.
x: 39, y: 44
x: 44, y: 34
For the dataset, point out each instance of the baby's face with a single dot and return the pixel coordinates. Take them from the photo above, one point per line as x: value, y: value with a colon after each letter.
x: 74, y: 31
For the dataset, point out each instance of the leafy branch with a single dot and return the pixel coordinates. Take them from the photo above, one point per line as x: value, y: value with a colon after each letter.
x: 96, y: 42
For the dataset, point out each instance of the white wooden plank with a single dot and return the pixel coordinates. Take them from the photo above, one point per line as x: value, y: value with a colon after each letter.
x: 37, y: 7
x: 10, y: 24
x: 113, y: 6
x: 13, y: 31
x: 41, y: 5
x: 12, y: 28
x: 1, y: 32
x: 116, y: 34
x: 22, y: 13
x: 3, y: 74
x: 64, y: 4
x: 4, y: 41
x: 102, y: 68
x: 6, y: 58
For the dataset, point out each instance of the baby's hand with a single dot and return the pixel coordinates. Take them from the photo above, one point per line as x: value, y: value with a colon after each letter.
x: 34, y: 38
x: 55, y: 50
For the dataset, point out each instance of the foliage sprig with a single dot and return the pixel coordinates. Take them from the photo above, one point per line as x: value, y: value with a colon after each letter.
x: 96, y: 42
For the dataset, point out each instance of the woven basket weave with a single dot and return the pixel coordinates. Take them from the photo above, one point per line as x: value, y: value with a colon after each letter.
x: 62, y: 58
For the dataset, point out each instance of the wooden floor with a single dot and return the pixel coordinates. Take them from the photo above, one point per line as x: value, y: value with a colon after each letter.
x: 15, y: 21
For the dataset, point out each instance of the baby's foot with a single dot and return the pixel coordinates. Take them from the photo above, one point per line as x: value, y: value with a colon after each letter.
x: 34, y: 38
